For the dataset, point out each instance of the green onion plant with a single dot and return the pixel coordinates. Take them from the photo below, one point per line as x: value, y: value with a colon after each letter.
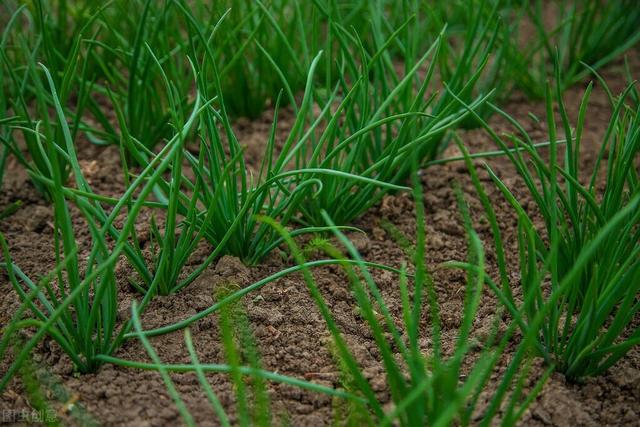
x: 221, y: 196
x: 263, y: 43
x: 426, y: 388
x: 27, y: 104
x: 378, y: 119
x: 475, y: 32
x: 170, y: 246
x: 78, y: 310
x: 584, y: 32
x: 580, y: 268
x: 77, y: 306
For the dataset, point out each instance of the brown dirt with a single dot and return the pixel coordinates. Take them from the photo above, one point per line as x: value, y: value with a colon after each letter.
x: 291, y: 335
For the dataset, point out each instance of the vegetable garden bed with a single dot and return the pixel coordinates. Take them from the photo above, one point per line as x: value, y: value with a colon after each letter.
x: 370, y: 255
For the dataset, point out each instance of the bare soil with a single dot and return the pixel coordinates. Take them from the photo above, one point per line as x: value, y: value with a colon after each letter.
x: 291, y: 335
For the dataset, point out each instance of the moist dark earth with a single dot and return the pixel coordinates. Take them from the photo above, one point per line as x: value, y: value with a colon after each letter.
x: 291, y: 335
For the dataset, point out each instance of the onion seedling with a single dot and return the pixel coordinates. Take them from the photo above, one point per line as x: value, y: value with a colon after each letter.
x: 254, y: 36
x: 473, y: 33
x: 149, y: 26
x: 25, y: 94
x: 173, y: 246
x: 583, y: 32
x: 579, y: 271
x: 426, y: 389
x: 473, y: 30
x: 178, y: 240
x: 80, y: 313
x: 221, y: 195
x: 384, y: 119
